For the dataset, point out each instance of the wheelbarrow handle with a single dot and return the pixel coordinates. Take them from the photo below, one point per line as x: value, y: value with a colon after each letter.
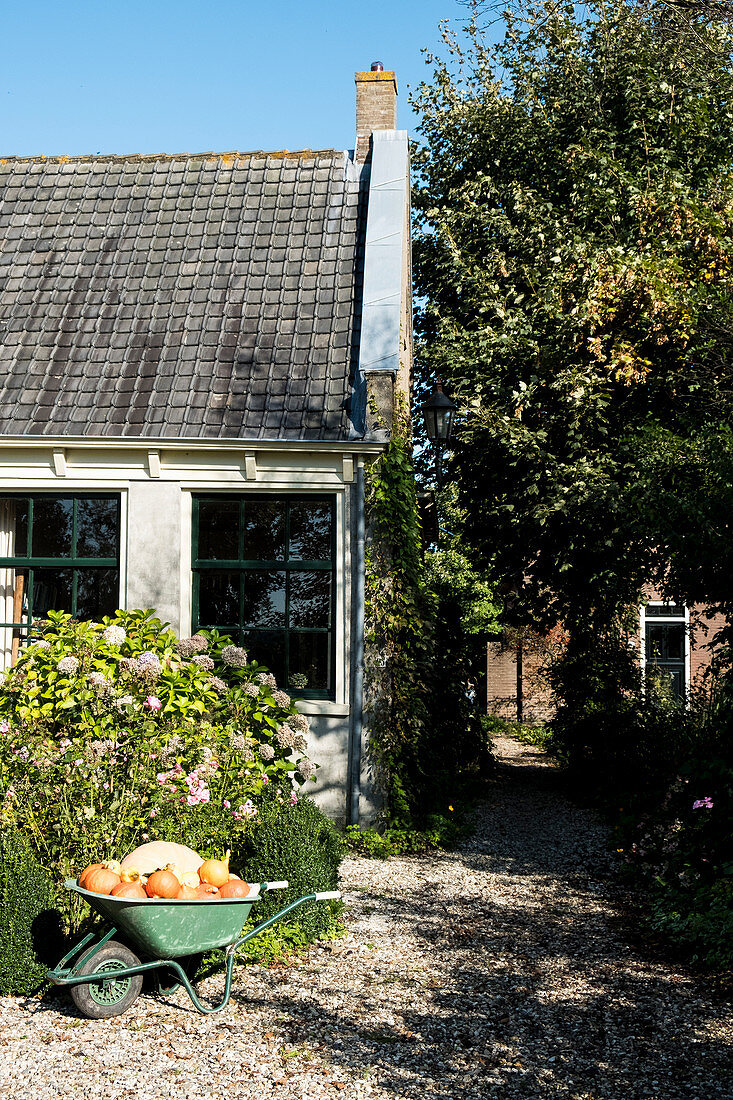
x: 281, y: 885
x: 328, y: 895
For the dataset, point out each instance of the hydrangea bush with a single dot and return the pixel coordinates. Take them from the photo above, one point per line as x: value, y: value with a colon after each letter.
x: 117, y: 732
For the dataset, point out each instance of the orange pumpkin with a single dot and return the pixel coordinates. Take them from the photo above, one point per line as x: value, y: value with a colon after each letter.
x: 129, y: 890
x: 234, y: 888
x: 101, y: 881
x: 206, y: 890
x: 162, y: 884
x: 215, y: 871
x: 87, y: 872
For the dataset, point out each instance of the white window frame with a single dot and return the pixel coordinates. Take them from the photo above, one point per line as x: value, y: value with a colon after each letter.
x: 683, y: 618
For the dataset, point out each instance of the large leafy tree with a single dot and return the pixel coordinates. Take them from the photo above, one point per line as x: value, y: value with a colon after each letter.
x: 575, y: 202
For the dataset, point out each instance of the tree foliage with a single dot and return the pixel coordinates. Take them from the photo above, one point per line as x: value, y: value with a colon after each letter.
x: 575, y: 202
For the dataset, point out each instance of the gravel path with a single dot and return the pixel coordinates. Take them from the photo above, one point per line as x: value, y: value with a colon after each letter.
x: 498, y: 971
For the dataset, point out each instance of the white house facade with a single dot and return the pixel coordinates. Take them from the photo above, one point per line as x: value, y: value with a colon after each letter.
x: 191, y: 352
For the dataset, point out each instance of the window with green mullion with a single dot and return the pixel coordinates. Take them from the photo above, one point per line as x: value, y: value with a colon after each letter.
x: 264, y: 573
x: 57, y: 552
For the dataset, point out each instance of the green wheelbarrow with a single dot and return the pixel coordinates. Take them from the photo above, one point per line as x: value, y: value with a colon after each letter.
x: 106, y: 977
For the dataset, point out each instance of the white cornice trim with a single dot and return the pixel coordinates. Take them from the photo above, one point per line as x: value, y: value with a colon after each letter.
x: 150, y: 444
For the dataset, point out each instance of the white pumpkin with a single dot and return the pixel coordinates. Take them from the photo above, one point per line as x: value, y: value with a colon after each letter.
x: 159, y: 853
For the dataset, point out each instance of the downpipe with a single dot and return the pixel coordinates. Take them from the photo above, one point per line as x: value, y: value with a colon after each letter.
x: 356, y: 727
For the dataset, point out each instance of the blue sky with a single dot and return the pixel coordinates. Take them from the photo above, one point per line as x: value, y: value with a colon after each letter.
x: 150, y: 76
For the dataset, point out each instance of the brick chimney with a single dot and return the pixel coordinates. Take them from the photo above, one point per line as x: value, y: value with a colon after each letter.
x: 376, y: 106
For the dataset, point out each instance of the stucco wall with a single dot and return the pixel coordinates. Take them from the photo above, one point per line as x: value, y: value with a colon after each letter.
x: 154, y: 549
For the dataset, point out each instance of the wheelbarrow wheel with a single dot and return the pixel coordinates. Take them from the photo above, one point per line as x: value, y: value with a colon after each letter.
x: 113, y: 996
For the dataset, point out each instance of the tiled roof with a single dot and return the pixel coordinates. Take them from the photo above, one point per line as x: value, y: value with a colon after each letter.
x: 210, y: 296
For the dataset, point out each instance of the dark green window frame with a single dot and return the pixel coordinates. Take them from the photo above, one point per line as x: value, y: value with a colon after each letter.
x: 28, y: 563
x: 242, y: 565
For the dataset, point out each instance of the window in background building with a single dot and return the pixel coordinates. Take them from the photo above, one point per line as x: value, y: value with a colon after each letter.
x: 666, y: 657
x: 57, y: 553
x: 263, y: 572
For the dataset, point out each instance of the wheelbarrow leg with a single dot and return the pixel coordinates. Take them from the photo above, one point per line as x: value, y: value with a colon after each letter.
x: 197, y: 1003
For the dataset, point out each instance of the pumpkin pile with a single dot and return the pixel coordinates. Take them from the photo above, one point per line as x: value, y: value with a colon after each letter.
x: 162, y: 870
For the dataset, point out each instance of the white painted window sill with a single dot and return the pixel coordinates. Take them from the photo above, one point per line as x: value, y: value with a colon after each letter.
x: 322, y: 707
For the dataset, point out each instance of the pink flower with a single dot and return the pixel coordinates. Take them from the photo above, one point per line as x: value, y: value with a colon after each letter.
x: 4, y: 727
x: 153, y: 702
x: 293, y: 798
x: 265, y: 779
x: 703, y: 804
x: 227, y: 803
x: 153, y: 812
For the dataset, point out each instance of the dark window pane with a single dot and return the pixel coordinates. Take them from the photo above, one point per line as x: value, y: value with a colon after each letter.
x: 97, y: 592
x: 309, y: 657
x: 218, y: 530
x: 51, y: 591
x: 264, y: 598
x: 97, y: 528
x: 267, y: 647
x: 13, y: 526
x: 654, y: 636
x: 219, y: 599
x: 310, y: 599
x: 675, y: 642
x: 665, y: 642
x: 310, y: 531
x: 264, y: 530
x: 52, y: 519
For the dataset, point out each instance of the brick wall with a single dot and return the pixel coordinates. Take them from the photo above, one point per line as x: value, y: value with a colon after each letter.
x: 376, y: 107
x: 503, y: 684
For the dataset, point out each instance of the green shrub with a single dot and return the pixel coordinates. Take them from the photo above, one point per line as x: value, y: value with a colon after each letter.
x: 442, y: 832
x: 293, y: 841
x: 529, y: 735
x: 25, y: 896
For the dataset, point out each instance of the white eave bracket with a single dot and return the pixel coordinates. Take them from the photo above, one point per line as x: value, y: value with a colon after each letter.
x: 59, y: 462
x: 154, y: 463
x: 250, y: 466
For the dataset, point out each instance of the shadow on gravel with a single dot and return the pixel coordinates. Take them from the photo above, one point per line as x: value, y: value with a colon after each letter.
x: 549, y: 1006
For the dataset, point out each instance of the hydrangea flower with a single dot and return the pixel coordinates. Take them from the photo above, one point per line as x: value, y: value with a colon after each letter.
x: 68, y: 665
x: 299, y: 722
x: 266, y: 752
x: 267, y: 679
x: 148, y: 665
x: 218, y: 684
x: 187, y: 647
x: 203, y: 662
x: 114, y: 635
x: 299, y: 743
x: 124, y: 701
x: 306, y: 769
x: 285, y: 737
x: 251, y: 689
x: 41, y: 644
x: 281, y: 698
x: 234, y: 655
